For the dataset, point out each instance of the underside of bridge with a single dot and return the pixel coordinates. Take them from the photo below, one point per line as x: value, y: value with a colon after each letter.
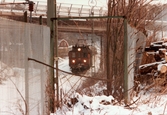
x: 76, y: 26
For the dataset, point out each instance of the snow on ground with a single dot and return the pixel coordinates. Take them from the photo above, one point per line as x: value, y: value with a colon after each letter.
x: 64, y: 64
x: 145, y: 104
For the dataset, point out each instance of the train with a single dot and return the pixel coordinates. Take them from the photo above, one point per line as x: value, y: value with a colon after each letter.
x: 80, y: 58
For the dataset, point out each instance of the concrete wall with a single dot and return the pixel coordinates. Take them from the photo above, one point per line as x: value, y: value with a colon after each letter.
x: 136, y: 45
x: 23, y: 80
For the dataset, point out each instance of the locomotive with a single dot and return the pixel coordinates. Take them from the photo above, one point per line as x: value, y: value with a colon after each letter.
x: 80, y: 58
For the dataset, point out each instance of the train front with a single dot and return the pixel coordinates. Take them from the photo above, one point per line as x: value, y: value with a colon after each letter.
x: 80, y: 58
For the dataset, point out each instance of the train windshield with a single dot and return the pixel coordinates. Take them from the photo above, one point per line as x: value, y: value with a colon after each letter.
x: 73, y: 55
x: 79, y: 55
x: 85, y: 55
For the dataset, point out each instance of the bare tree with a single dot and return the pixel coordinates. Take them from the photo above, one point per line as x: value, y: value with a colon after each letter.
x: 136, y: 12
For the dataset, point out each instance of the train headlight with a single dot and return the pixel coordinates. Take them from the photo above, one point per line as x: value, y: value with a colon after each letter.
x: 79, y: 49
x: 73, y: 61
x: 84, y: 60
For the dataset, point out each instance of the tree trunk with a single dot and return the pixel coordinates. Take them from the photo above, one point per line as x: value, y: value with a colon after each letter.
x: 114, y: 53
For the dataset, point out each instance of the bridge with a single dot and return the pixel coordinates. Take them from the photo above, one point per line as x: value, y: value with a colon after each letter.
x: 15, y: 10
x: 40, y: 8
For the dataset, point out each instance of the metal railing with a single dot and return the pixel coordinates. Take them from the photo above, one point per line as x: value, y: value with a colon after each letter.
x: 64, y: 9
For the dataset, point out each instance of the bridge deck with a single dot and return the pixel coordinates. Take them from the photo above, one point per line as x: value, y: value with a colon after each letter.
x: 15, y: 11
x: 63, y: 9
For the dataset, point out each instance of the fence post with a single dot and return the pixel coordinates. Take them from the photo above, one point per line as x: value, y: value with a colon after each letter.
x: 125, y: 62
x: 50, y: 23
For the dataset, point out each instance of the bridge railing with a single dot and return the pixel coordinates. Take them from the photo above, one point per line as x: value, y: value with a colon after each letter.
x: 40, y: 7
x: 63, y: 9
